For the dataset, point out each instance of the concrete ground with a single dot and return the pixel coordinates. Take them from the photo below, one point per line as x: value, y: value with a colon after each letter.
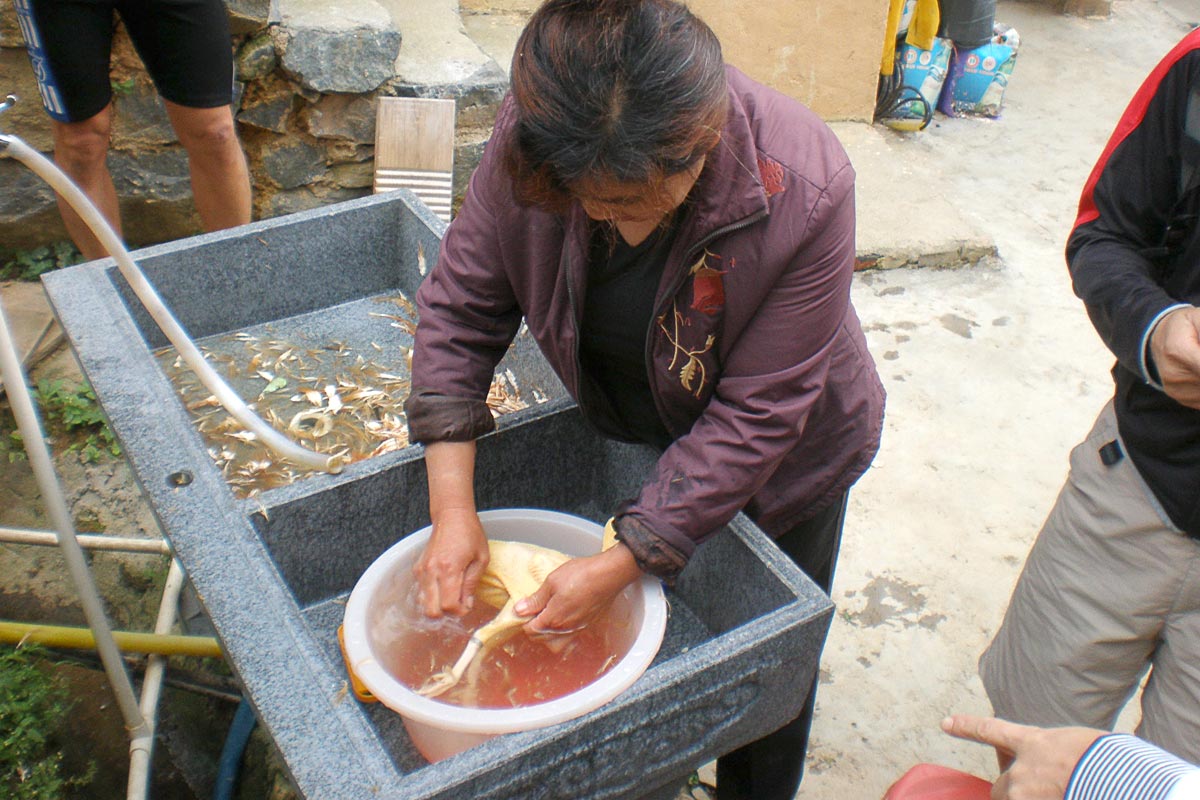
x: 993, y: 373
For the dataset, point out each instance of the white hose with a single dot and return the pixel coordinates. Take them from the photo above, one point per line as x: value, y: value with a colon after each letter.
x: 237, y: 408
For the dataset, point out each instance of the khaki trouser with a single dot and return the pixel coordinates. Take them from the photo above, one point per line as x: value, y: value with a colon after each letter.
x: 1110, y: 589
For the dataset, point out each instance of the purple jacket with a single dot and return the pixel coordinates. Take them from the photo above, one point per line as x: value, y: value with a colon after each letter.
x: 757, y: 361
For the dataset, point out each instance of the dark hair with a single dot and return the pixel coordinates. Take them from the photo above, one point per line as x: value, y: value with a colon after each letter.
x: 626, y: 90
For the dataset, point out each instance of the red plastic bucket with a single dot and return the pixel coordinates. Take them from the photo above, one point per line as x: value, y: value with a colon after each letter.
x: 932, y: 782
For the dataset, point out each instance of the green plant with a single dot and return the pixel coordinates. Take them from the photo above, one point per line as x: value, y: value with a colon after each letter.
x: 33, y: 707
x: 12, y: 447
x: 27, y: 265
x: 73, y: 409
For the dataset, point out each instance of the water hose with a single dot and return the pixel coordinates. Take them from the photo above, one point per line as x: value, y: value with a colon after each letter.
x: 74, y: 638
x: 229, y: 399
x: 231, y: 754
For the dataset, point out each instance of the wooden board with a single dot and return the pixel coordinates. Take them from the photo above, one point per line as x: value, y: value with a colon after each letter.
x: 414, y: 149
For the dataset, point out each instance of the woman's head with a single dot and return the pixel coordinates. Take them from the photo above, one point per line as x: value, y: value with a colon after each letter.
x: 625, y: 93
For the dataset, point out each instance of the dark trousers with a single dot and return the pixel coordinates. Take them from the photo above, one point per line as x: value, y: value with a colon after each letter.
x: 771, y: 767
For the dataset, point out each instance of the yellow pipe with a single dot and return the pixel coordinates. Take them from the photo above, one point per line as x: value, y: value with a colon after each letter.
x: 82, y: 639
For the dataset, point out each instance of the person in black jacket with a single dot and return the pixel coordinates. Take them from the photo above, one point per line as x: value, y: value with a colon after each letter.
x: 1111, y: 588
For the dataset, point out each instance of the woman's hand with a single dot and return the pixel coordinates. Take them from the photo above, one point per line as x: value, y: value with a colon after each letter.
x: 457, y: 554
x: 578, y: 592
x: 449, y: 569
x: 1041, y: 760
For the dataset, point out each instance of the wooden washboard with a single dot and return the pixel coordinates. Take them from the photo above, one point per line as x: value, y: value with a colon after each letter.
x: 414, y: 149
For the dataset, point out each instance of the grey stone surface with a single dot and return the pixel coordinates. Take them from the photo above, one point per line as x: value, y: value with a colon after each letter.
x: 27, y: 119
x: 272, y: 571
x: 304, y: 198
x: 247, y: 16
x: 268, y: 111
x: 341, y: 116
x: 140, y: 118
x: 337, y: 47
x: 153, y: 176
x: 24, y: 192
x: 10, y: 31
x: 293, y: 164
x: 256, y: 58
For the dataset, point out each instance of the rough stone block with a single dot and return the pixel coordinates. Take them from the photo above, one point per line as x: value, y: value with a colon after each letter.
x: 305, y: 198
x: 268, y: 105
x: 140, y: 118
x: 10, y: 31
x: 273, y: 572
x: 293, y: 163
x: 353, y: 176
x: 339, y: 47
x: 24, y: 194
x: 468, y: 150
x: 256, y: 58
x: 248, y: 16
x: 342, y: 116
x: 27, y: 119
x: 151, y: 176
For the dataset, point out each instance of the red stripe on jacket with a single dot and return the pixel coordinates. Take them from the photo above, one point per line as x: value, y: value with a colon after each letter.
x: 1132, y: 117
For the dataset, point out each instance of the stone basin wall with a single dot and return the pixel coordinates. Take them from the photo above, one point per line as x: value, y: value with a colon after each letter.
x: 308, y: 77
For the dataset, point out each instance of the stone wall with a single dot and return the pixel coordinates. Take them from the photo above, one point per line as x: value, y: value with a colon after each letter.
x: 308, y: 76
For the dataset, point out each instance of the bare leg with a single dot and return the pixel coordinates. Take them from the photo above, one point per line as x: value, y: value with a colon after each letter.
x: 80, y: 150
x: 220, y: 179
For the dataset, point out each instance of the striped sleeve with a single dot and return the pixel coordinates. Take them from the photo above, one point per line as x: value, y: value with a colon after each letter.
x: 1123, y: 767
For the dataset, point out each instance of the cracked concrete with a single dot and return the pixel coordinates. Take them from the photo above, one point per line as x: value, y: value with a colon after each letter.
x: 993, y: 374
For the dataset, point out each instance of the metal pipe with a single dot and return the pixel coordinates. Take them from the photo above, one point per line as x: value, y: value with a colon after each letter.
x: 158, y: 310
x: 141, y: 748
x: 130, y: 641
x: 56, y: 507
x: 89, y: 541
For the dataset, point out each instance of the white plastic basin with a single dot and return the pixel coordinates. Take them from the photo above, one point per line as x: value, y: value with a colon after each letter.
x: 439, y: 730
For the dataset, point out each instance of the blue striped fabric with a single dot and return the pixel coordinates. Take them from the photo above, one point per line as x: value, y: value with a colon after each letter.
x: 1123, y: 767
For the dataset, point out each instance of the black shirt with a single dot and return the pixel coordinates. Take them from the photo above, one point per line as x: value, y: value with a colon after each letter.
x: 617, y: 314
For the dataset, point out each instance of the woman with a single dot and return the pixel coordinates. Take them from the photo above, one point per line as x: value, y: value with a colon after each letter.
x: 680, y: 242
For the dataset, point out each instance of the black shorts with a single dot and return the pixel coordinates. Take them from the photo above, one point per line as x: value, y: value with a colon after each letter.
x: 183, y: 43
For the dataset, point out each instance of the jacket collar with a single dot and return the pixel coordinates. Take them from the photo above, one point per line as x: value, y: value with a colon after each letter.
x: 730, y: 187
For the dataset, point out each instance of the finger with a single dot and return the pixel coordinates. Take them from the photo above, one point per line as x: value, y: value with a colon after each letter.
x: 471, y: 577
x: 449, y: 589
x: 534, y: 604
x: 427, y: 594
x: 1000, y: 789
x: 986, y: 730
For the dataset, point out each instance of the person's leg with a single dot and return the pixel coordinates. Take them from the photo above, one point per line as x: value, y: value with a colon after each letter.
x: 220, y: 178
x: 1171, y: 699
x: 1087, y: 612
x: 186, y: 48
x: 69, y: 45
x: 81, y: 151
x: 772, y: 767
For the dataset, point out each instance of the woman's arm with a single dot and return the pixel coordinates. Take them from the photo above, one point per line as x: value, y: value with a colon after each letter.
x: 457, y: 554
